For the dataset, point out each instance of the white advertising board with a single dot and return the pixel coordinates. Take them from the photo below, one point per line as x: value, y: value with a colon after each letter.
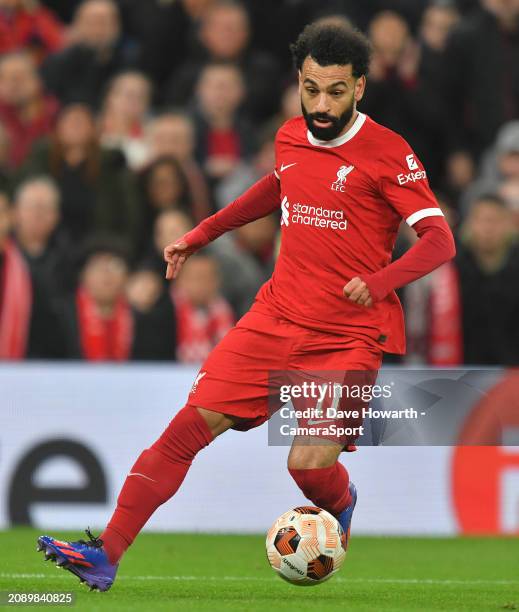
x: 70, y: 433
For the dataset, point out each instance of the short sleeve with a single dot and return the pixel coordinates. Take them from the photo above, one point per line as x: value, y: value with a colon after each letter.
x: 403, y: 183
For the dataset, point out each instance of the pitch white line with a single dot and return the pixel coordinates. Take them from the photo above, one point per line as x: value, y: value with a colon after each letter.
x: 265, y: 579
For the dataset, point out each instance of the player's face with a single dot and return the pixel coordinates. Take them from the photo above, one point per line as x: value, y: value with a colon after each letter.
x: 329, y: 95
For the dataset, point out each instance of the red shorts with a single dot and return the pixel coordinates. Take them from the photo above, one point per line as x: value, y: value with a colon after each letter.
x: 236, y: 378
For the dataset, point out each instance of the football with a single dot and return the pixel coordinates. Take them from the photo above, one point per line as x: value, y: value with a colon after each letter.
x: 306, y: 546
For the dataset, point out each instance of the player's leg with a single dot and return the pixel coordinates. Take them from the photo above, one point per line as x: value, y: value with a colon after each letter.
x: 158, y: 473
x: 154, y: 478
x: 232, y: 381
x: 313, y: 462
x: 322, y: 478
x: 232, y: 387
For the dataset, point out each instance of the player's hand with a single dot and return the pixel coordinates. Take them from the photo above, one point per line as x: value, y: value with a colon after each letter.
x: 357, y: 291
x: 175, y: 254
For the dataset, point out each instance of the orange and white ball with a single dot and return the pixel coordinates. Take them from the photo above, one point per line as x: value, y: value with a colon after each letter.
x: 306, y: 546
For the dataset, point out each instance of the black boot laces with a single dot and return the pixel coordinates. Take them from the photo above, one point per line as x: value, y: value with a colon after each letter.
x: 92, y: 541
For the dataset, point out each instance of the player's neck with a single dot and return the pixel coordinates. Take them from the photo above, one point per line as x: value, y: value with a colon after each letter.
x: 350, y: 123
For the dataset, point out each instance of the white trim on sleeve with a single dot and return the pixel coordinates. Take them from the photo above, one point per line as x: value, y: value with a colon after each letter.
x: 421, y: 214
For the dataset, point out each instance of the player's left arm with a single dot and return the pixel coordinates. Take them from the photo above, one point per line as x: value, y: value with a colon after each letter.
x: 415, y: 202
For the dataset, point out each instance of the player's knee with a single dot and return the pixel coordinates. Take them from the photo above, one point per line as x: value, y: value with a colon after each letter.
x: 215, y: 421
x: 311, y: 457
x: 185, y: 436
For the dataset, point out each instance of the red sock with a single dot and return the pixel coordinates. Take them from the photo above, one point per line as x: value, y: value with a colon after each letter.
x: 325, y: 487
x: 155, y: 477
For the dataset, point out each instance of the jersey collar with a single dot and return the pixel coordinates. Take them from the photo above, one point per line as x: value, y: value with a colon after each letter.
x: 340, y: 140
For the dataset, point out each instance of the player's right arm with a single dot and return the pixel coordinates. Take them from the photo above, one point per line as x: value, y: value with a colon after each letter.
x: 258, y: 201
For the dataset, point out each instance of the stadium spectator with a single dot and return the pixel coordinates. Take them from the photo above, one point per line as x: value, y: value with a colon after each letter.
x: 223, y: 136
x: 438, y: 20
x: 173, y: 134
x: 276, y: 23
x: 5, y: 176
x: 499, y: 163
x: 169, y: 225
x: 504, y: 162
x: 196, y: 9
x: 15, y: 292
x: 64, y: 9
x: 509, y: 191
x: 98, y: 51
x: 247, y: 173
x: 154, y: 316
x: 203, y: 315
x: 36, y: 217
x: 290, y: 107
x: 24, y: 24
x: 98, y: 320
x: 479, y: 52
x: 246, y: 261
x: 399, y: 95
x: 26, y: 112
x: 290, y: 102
x: 436, y: 24
x: 163, y: 187
x: 215, y: 54
x: 97, y: 191
x: 431, y: 306
x: 162, y: 30
x: 125, y: 109
x: 224, y: 36
x: 488, y: 268
x: 29, y: 327
x: 47, y: 255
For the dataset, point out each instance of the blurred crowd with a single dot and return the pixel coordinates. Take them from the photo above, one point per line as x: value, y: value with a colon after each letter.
x: 123, y: 123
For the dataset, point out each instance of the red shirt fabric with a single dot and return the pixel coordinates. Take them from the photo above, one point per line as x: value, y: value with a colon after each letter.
x: 22, y: 134
x: 37, y: 30
x: 342, y: 202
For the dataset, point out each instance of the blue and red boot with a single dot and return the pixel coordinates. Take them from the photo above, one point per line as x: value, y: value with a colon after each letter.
x: 87, y: 560
x: 345, y: 516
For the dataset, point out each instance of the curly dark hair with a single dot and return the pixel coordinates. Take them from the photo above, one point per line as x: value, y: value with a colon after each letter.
x: 330, y: 44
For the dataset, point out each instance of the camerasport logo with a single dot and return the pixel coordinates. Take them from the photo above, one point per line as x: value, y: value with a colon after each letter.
x: 413, y: 176
x: 315, y: 216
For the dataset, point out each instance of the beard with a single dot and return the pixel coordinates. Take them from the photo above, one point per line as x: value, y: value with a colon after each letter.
x: 337, y: 124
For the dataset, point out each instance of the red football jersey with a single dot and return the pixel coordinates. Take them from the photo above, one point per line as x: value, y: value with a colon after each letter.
x: 342, y: 203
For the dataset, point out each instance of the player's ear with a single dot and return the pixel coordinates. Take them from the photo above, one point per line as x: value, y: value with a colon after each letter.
x: 360, y: 86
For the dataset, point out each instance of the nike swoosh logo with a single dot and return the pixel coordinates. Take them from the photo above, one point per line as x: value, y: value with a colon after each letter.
x: 143, y: 475
x: 313, y: 422
x: 283, y: 168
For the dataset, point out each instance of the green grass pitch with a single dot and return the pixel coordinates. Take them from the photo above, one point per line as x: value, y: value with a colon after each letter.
x: 223, y: 572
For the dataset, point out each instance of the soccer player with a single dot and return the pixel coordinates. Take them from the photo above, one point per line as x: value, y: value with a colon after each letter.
x: 344, y: 183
